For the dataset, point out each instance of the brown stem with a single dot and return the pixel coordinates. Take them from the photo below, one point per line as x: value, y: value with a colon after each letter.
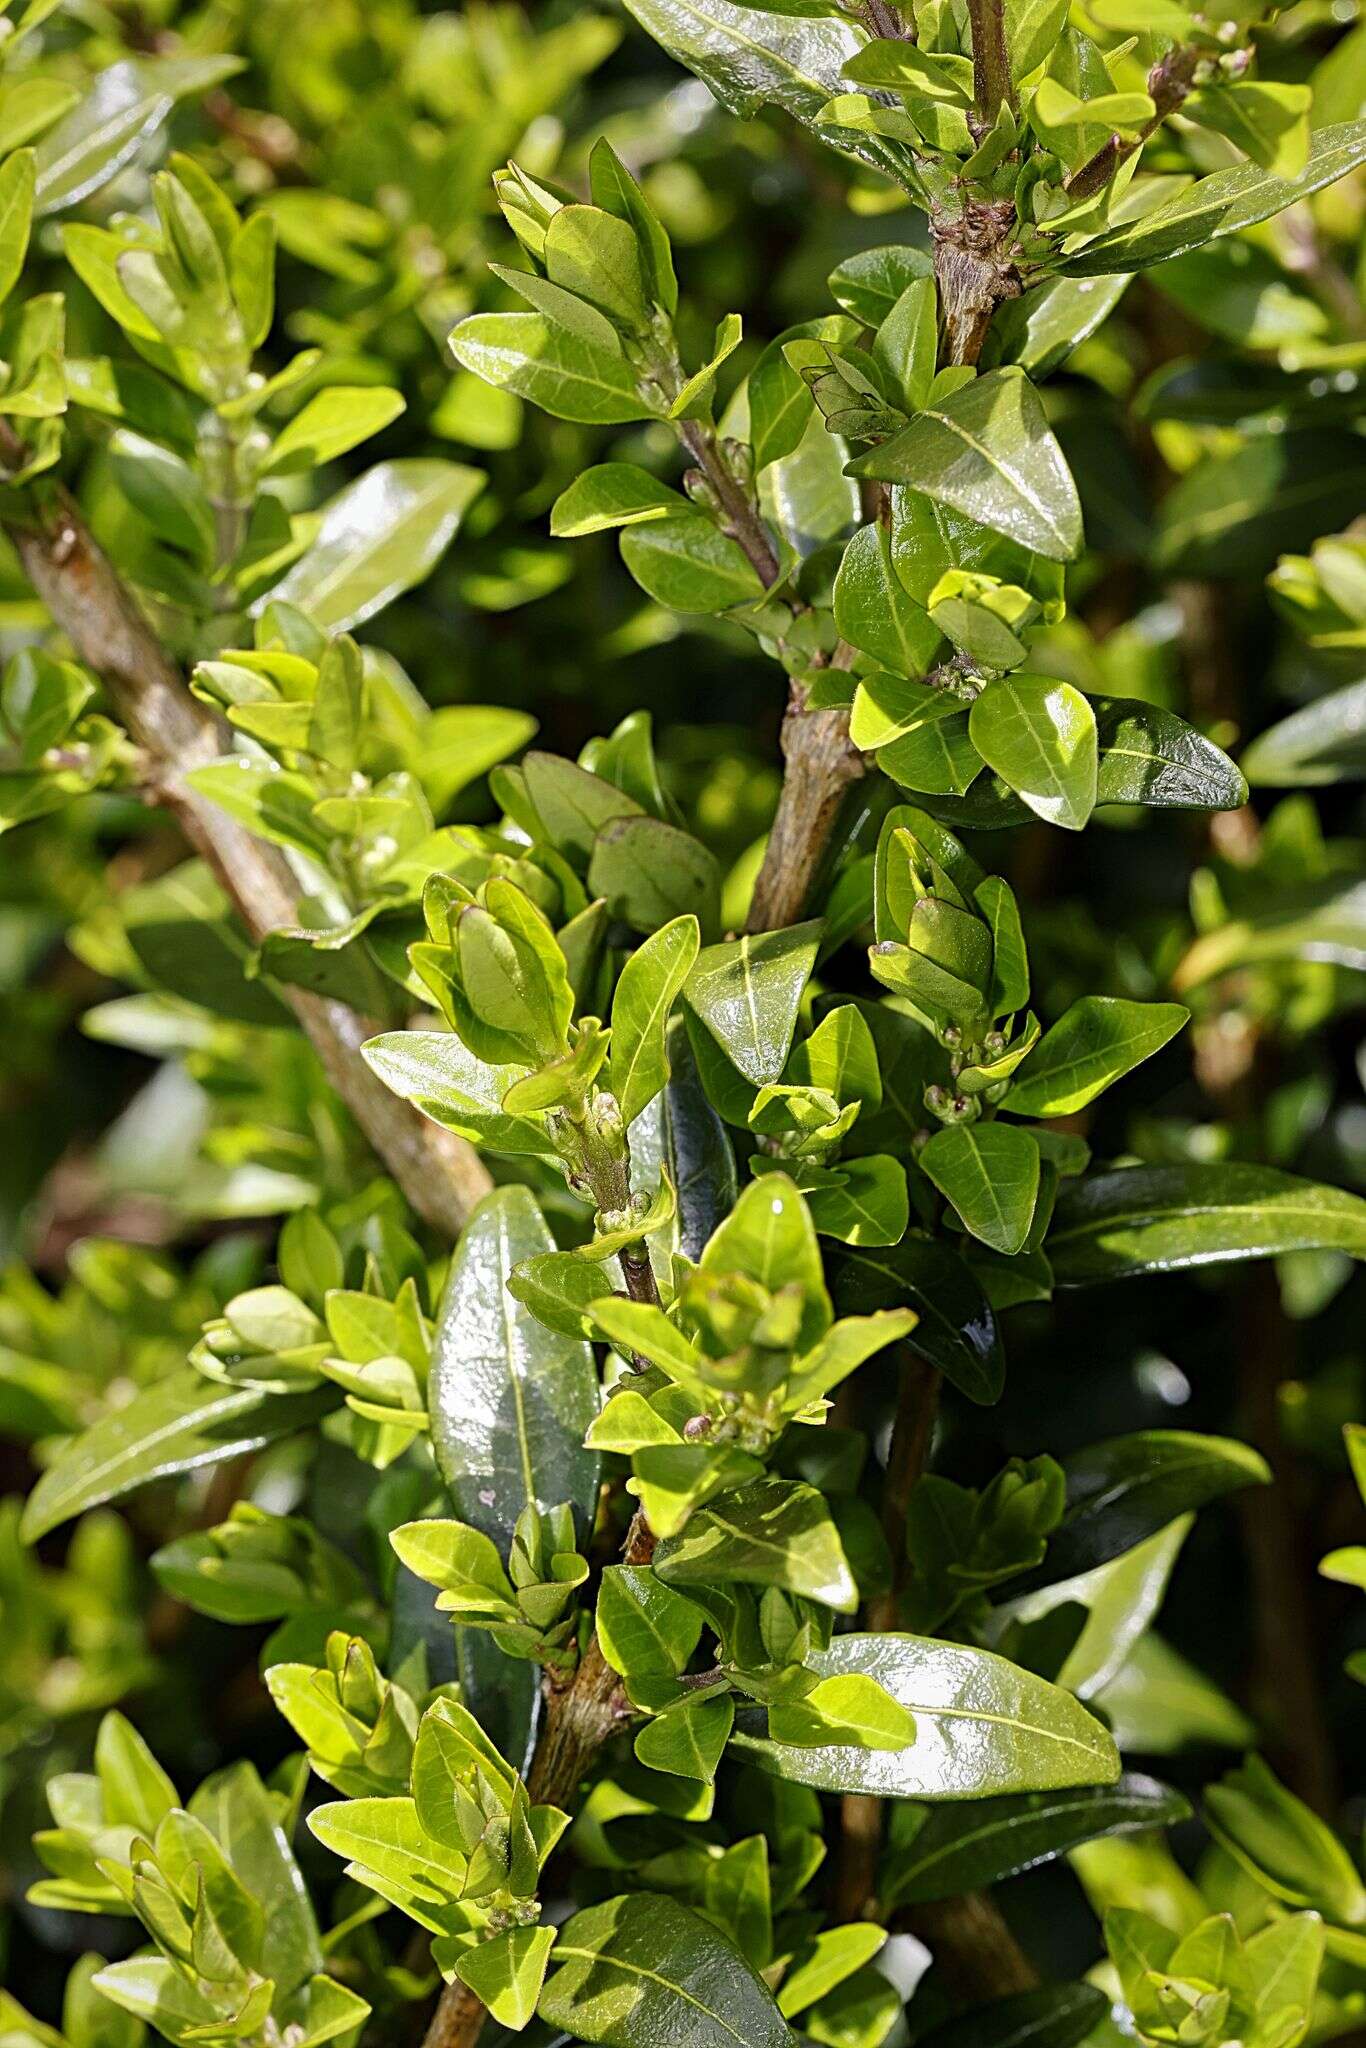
x: 991, y: 80
x: 820, y: 762
x: 1170, y: 83
x: 973, y: 1947
x: 741, y: 518
x: 441, y: 1176
x: 580, y: 1718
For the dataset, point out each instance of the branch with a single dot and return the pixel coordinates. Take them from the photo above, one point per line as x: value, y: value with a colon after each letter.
x: 1170, y: 82
x: 440, y: 1175
x: 991, y: 80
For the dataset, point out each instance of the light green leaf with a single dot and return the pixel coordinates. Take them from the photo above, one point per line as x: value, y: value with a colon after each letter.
x: 777, y: 1532
x: 381, y: 535
x: 876, y: 613
x: 507, y: 1973
x: 688, y: 1740
x: 332, y: 421
x: 1098, y: 1039
x: 117, y: 114
x: 180, y: 1424
x: 990, y: 1173
x: 1040, y: 737
x: 649, y: 983
x: 16, y: 217
x: 1219, y: 205
x: 562, y: 372
x: 612, y: 494
x: 849, y: 1708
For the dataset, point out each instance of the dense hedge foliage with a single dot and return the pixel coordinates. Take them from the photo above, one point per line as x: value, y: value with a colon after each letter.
x: 610, y: 1434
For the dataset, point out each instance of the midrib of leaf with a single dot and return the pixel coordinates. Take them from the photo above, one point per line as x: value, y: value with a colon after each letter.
x: 566, y: 1949
x: 1079, y: 1064
x: 1014, y: 1721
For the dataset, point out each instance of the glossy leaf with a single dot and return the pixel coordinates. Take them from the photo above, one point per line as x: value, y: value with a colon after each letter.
x: 644, y: 1969
x: 377, y: 538
x: 956, y: 1330
x: 1159, y: 1219
x: 1040, y: 737
x: 990, y: 1173
x: 983, y: 1726
x: 1097, y: 1040
x: 180, y: 1424
x: 510, y: 1400
x: 747, y: 992
x: 967, y: 1846
x: 987, y: 450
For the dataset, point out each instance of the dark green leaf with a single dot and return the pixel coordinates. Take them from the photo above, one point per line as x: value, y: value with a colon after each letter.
x: 960, y: 1848
x: 1157, y: 1219
x: 956, y: 1331
x: 510, y: 1400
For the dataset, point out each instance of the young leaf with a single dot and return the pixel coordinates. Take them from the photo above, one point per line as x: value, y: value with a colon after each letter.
x: 990, y: 1173
x: 649, y: 982
x: 1097, y: 1040
x: 1041, y: 739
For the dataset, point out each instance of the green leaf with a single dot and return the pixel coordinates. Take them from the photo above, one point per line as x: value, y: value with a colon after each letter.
x: 611, y: 494
x: 987, y: 450
x: 1040, y: 330
x: 434, y: 1071
x: 869, y: 283
x: 645, y: 1630
x: 748, y: 992
x: 242, y: 1817
x: 377, y: 538
x: 876, y: 613
x: 849, y: 1708
x: 642, y: 1970
x: 16, y: 217
x: 510, y: 1400
x: 684, y: 561
x: 956, y: 1330
x: 507, y: 1973
x: 990, y: 1173
x: 180, y: 1424
x: 564, y: 373
x: 689, y: 1739
x: 649, y: 983
x: 1122, y: 1491
x: 650, y: 873
x: 1040, y: 737
x: 332, y: 421
x: 186, y: 938
x: 1147, y: 756
x: 964, y: 1847
x: 1051, y: 2016
x: 1092, y: 1044
x: 119, y: 112
x: 1158, y: 1219
x: 750, y: 59
x: 983, y: 1726
x: 1219, y: 205
x: 777, y: 1532
x: 1320, y: 743
x: 825, y: 1961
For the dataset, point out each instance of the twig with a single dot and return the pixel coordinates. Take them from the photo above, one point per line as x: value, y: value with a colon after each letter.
x: 440, y: 1175
x: 991, y: 81
x: 1170, y: 82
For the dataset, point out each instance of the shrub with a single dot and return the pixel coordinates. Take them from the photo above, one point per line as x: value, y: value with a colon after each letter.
x: 530, y: 1236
